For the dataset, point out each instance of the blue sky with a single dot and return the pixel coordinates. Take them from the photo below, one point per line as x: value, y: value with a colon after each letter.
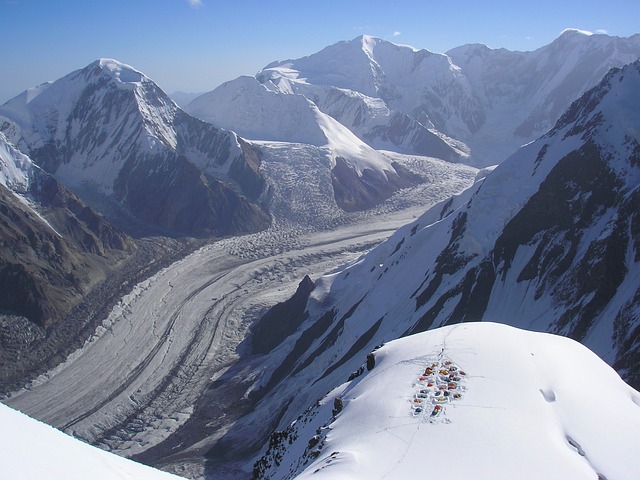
x: 194, y: 45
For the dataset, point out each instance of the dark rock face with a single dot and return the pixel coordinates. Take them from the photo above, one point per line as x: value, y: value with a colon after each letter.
x: 245, y: 171
x: 282, y: 319
x: 556, y: 219
x: 46, y: 268
x: 353, y: 192
x: 186, y: 201
x: 74, y: 220
x: 403, y: 130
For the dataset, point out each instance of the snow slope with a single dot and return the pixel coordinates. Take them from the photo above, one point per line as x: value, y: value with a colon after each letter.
x: 32, y: 450
x: 255, y: 112
x: 521, y: 405
x: 247, y: 107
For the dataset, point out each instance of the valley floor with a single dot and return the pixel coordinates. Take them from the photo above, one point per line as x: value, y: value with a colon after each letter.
x: 139, y: 377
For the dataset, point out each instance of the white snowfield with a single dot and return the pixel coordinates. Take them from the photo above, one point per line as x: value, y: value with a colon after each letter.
x: 32, y: 450
x: 532, y: 406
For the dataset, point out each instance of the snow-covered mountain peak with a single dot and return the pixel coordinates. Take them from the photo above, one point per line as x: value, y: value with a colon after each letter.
x: 289, y: 118
x: 121, y: 72
x: 368, y: 42
x: 249, y: 107
x: 281, y: 78
x: 361, y: 64
x: 98, y: 125
x: 489, y: 100
x: 60, y: 112
x: 372, y: 46
x: 46, y: 108
x: 575, y: 32
x: 463, y: 54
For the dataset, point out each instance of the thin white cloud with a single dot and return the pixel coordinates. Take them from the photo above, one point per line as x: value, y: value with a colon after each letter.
x: 195, y: 3
x: 396, y: 33
x: 602, y: 31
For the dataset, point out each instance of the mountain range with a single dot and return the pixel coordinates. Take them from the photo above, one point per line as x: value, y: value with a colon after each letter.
x: 472, y: 104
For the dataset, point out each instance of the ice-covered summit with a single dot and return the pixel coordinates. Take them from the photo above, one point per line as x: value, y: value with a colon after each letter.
x: 123, y: 73
x: 576, y: 31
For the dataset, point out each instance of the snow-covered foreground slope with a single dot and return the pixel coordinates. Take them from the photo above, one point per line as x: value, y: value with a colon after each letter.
x: 477, y: 400
x: 32, y: 450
